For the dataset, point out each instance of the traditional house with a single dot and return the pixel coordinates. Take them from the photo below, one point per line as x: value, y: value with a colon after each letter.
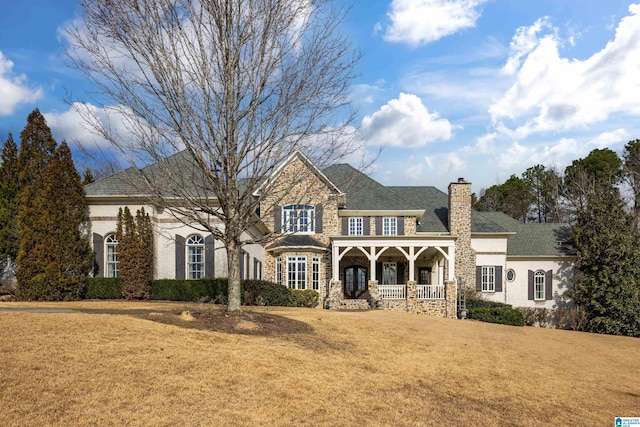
x: 358, y: 243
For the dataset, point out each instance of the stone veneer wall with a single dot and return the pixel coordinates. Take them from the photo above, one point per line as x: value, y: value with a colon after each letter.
x: 298, y: 184
x: 460, y: 227
x: 409, y: 225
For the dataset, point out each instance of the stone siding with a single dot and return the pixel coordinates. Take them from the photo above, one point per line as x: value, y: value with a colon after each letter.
x: 460, y: 227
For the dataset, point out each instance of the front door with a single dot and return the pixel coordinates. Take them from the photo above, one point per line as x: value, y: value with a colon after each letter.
x: 355, y: 282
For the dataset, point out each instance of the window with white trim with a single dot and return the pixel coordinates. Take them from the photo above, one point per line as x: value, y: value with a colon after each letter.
x: 279, y: 271
x: 315, y: 274
x: 389, y: 273
x: 355, y: 226
x: 488, y: 279
x: 111, y: 246
x: 299, y: 218
x: 539, y: 285
x: 390, y: 226
x: 195, y: 257
x: 297, y: 272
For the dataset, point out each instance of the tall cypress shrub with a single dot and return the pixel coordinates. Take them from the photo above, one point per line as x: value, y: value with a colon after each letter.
x: 36, y: 150
x: 8, y: 202
x: 70, y: 258
x: 135, y: 253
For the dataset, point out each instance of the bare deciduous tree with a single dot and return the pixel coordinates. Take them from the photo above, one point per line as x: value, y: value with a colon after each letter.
x: 234, y: 86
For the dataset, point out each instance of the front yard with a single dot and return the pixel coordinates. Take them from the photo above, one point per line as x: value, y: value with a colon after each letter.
x: 120, y: 363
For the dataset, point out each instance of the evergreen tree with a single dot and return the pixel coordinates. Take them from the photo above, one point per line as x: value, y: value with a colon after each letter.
x: 145, y: 239
x: 69, y: 259
x: 87, y: 177
x: 8, y: 202
x: 608, y: 264
x: 135, y: 253
x: 36, y: 150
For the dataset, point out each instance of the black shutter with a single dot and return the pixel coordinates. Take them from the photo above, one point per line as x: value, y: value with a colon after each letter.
x: 98, y: 249
x: 548, y: 282
x: 498, y: 278
x: 242, y: 255
x: 180, y: 265
x: 366, y: 227
x: 379, y: 272
x: 400, y: 272
x: 530, y: 286
x: 378, y: 226
x: 400, y: 226
x: 478, y: 278
x: 209, y: 256
x: 319, y: 218
x: 345, y: 226
x: 277, y: 219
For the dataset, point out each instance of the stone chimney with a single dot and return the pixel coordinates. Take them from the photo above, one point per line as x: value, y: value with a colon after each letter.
x: 460, y: 227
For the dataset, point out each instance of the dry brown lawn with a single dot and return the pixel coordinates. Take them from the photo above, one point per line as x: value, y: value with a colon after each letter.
x: 119, y: 363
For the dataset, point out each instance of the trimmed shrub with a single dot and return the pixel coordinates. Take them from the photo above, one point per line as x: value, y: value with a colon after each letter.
x: 103, y: 288
x: 305, y: 297
x: 481, y: 303
x: 203, y: 290
x: 503, y: 316
x: 262, y: 292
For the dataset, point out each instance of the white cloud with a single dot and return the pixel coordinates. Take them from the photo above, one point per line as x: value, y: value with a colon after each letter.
x: 14, y: 89
x: 607, y: 139
x: 82, y: 124
x: 552, y: 93
x: 524, y: 41
x: 404, y: 122
x: 417, y: 22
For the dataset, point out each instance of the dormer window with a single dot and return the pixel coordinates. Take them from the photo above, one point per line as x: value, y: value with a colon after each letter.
x: 299, y: 219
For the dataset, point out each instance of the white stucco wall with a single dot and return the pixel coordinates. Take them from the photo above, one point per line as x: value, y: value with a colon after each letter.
x: 103, y: 218
x: 516, y: 292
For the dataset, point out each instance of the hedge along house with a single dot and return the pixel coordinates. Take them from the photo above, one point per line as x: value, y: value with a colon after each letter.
x: 358, y: 243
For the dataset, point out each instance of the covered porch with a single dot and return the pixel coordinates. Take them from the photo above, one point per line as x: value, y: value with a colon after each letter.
x: 407, y: 273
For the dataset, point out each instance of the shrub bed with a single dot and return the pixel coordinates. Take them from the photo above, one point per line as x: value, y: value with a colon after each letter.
x: 501, y: 315
x: 203, y: 290
x: 103, y: 288
x: 262, y: 292
x: 481, y: 303
x: 305, y: 297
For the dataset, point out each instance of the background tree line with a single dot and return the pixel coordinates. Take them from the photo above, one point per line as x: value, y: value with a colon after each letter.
x: 42, y: 223
x: 604, y: 228
x: 544, y: 194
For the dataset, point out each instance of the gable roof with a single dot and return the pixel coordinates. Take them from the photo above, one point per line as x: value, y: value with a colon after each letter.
x: 297, y: 155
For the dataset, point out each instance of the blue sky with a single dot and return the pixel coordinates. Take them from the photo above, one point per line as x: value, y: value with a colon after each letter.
x: 478, y: 89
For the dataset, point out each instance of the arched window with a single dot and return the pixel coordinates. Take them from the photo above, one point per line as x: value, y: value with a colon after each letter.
x: 195, y: 257
x: 299, y: 218
x: 111, y: 251
x: 538, y: 285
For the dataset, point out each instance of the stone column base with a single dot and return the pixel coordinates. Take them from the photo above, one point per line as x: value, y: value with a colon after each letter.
x: 451, y: 296
x: 335, y: 295
x: 375, y: 301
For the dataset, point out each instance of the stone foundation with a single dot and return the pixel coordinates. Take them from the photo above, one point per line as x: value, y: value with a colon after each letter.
x: 437, y: 307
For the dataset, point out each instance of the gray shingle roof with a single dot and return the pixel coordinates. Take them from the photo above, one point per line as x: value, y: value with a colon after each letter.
x: 297, y: 240
x: 363, y: 192
x: 131, y: 182
x: 534, y: 239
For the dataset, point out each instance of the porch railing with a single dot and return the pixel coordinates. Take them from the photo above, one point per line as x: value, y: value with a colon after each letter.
x: 430, y: 291
x: 392, y: 291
